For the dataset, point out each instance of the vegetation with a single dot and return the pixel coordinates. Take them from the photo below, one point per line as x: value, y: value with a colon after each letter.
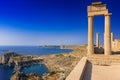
x: 62, y: 64
x: 59, y: 55
x: 59, y: 65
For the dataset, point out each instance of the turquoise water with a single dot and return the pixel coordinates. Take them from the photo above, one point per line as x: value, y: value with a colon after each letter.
x: 39, y: 69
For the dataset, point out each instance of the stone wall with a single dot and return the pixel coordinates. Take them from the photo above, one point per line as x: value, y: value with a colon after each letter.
x: 78, y: 71
x: 116, y: 45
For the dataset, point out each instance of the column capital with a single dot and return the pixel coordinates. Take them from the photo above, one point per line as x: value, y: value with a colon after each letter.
x: 97, y: 33
x: 109, y: 14
x: 90, y: 16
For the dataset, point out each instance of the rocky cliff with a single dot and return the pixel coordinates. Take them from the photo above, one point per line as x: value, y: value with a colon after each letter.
x: 17, y: 61
x: 7, y: 58
x: 22, y: 76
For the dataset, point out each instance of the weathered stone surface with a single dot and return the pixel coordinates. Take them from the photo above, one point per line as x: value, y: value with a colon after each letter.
x: 90, y: 36
x: 116, y: 46
x: 78, y: 71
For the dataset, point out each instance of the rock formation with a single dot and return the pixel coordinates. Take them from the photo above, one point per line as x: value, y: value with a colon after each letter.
x: 17, y: 61
x: 7, y: 58
x: 22, y: 76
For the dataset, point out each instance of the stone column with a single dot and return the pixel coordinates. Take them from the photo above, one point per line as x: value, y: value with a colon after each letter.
x: 112, y: 39
x: 107, y: 35
x: 90, y: 36
x: 97, y: 40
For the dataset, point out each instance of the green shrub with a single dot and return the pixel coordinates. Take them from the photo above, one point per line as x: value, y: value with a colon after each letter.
x: 58, y: 55
x: 52, y: 73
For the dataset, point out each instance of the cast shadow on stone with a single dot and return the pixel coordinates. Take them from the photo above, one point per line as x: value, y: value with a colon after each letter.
x: 99, y: 50
x: 116, y: 53
x: 88, y: 71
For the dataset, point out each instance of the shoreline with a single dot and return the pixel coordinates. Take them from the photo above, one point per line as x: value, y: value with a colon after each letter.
x: 59, y: 65
x: 62, y: 64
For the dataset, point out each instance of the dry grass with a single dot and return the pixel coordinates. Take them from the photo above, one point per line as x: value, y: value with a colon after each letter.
x: 62, y: 64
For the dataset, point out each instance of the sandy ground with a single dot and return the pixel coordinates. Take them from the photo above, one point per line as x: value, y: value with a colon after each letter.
x: 96, y: 72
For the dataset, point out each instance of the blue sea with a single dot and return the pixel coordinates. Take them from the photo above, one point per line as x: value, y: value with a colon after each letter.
x: 39, y: 69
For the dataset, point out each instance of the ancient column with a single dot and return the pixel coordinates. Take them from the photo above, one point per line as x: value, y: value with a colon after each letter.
x: 112, y: 37
x: 107, y: 35
x: 90, y: 36
x: 97, y: 40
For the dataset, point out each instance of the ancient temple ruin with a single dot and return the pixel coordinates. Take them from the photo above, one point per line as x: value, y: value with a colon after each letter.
x: 99, y: 9
x: 98, y: 67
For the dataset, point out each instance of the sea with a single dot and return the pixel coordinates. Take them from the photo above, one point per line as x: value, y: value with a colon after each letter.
x: 39, y: 69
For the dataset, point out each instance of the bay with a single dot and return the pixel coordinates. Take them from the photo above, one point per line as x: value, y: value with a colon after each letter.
x: 39, y: 69
x: 32, y: 50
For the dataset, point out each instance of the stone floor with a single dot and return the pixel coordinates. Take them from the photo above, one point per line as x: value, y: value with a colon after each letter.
x: 97, y: 72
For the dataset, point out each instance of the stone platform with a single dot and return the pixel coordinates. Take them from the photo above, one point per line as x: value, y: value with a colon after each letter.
x: 102, y: 67
x: 97, y: 67
x: 98, y: 72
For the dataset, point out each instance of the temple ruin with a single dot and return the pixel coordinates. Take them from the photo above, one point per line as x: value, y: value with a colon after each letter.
x: 98, y: 66
x: 98, y: 9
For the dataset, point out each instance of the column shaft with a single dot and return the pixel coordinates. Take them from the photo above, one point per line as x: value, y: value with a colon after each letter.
x: 90, y: 36
x: 107, y: 36
x: 97, y: 40
x: 112, y: 39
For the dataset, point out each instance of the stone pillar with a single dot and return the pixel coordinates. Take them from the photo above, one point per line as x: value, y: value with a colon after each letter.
x: 107, y: 35
x: 90, y: 36
x: 112, y: 37
x: 97, y: 40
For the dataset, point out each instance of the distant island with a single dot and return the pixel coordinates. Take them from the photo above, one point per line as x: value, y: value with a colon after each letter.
x: 50, y: 46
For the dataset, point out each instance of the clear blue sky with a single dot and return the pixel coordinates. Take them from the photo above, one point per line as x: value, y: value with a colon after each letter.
x: 51, y: 22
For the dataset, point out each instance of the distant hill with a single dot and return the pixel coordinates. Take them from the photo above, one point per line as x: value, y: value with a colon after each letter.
x: 50, y: 46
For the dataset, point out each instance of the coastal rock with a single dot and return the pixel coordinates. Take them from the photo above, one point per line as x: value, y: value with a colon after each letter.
x: 60, y: 69
x: 17, y: 61
x: 0, y: 60
x: 25, y: 61
x: 22, y: 76
x: 4, y: 59
x: 11, y: 62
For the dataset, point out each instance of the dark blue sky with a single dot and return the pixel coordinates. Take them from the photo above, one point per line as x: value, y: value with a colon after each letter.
x: 54, y: 22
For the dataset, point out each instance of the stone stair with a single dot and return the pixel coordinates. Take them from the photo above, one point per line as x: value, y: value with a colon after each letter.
x: 104, y: 59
